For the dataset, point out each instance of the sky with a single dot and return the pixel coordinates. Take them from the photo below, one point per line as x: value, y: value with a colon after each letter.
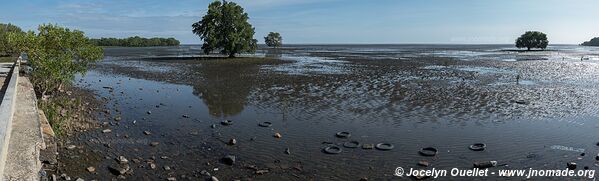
x: 325, y: 21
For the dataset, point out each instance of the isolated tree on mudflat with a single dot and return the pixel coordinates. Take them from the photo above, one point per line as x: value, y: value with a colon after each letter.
x: 532, y: 39
x: 226, y: 28
x: 274, y: 39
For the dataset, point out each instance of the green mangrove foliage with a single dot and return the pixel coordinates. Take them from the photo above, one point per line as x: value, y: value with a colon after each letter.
x: 225, y: 27
x: 55, y: 54
x: 592, y: 42
x: 5, y: 48
x: 274, y: 39
x: 532, y: 39
x: 136, y: 41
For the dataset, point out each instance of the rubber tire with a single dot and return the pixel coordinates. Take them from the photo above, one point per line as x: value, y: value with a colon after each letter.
x: 384, y: 146
x: 333, y: 149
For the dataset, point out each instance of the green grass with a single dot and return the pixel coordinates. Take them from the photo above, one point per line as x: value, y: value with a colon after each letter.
x: 7, y: 59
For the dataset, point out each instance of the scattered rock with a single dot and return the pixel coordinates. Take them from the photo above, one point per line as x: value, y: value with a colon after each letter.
x: 185, y: 116
x: 147, y: 133
x: 424, y: 163
x: 261, y: 172
x: 118, y: 118
x: 119, y: 169
x: 71, y: 147
x: 155, y: 143
x: 213, y: 178
x: 571, y: 165
x: 205, y: 173
x: 213, y: 126
x: 229, y: 159
x: 485, y: 164
x: 122, y: 160
x: 167, y: 168
x: 171, y: 179
x: 106, y: 131
x: 152, y: 166
x: 232, y: 141
x: 91, y: 169
x: 363, y: 179
x: 79, y: 179
x: 278, y: 135
x: 226, y: 122
x: 149, y: 112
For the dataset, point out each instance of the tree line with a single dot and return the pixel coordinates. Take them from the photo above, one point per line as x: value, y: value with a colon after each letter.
x: 5, y: 48
x: 135, y: 41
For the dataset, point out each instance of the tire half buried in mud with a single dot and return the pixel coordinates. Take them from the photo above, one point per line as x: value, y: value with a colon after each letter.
x: 343, y: 134
x: 333, y: 149
x: 478, y: 147
x: 428, y: 151
x: 265, y: 124
x: 384, y: 146
x: 352, y: 144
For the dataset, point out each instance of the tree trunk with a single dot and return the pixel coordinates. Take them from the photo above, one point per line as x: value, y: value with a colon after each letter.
x: 528, y: 48
x: 231, y: 55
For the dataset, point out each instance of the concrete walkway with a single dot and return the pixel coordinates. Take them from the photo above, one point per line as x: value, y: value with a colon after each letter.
x: 26, y: 140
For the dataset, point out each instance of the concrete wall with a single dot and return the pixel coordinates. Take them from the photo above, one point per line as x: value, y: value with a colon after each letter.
x: 7, y: 109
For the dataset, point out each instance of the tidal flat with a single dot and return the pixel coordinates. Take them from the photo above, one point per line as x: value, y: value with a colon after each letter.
x: 165, y: 107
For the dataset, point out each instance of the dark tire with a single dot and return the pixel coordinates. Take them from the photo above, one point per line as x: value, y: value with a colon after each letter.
x: 478, y: 147
x: 333, y: 149
x: 352, y: 144
x: 428, y: 151
x: 265, y: 124
x: 343, y: 134
x: 227, y: 122
x: 384, y: 146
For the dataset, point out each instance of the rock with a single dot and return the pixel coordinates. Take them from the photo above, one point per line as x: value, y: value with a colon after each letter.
x: 118, y: 118
x: 65, y: 177
x: 424, y: 163
x: 368, y: 146
x: 363, y: 179
x: 186, y: 116
x: 149, y: 112
x: 91, y: 169
x: 229, y: 159
x: 485, y: 164
x: 287, y: 151
x: 106, y: 131
x: 147, y: 133
x: 278, y: 135
x: 213, y: 178
x: 79, y: 179
x: 171, y: 179
x: 205, y: 173
x: 152, y: 166
x: 232, y: 141
x: 155, y: 143
x: 571, y: 165
x: 213, y: 126
x: 119, y: 169
x: 167, y: 168
x: 261, y: 172
x: 122, y: 160
x: 71, y: 147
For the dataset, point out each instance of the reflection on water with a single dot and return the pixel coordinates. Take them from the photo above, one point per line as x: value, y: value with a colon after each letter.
x: 224, y: 89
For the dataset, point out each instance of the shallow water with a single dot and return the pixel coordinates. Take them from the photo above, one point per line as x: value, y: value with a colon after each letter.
x: 413, y: 96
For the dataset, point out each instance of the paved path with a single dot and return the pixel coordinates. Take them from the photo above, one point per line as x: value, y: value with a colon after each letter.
x: 26, y: 137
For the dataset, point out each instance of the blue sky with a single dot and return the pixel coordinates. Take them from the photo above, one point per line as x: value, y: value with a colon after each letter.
x: 325, y: 21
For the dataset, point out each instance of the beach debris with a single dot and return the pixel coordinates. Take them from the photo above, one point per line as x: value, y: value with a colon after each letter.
x: 155, y: 143
x: 287, y: 151
x: 213, y: 126
x: 597, y: 157
x: 478, y: 147
x: 343, y: 134
x: 424, y: 163
x: 367, y: 146
x: 232, y: 141
x: 185, y: 116
x: 229, y: 159
x: 586, y: 167
x: 147, y: 133
x: 149, y: 112
x: 167, y: 168
x: 333, y: 149
x: 485, y: 164
x: 91, y: 169
x: 171, y: 179
x: 106, y: 131
x: 428, y: 151
x: 152, y: 166
x: 571, y: 165
x: 351, y: 144
x: 265, y: 124
x: 278, y: 135
x: 384, y: 146
x: 118, y: 118
x: 522, y: 102
x: 226, y: 122
x: 213, y: 178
